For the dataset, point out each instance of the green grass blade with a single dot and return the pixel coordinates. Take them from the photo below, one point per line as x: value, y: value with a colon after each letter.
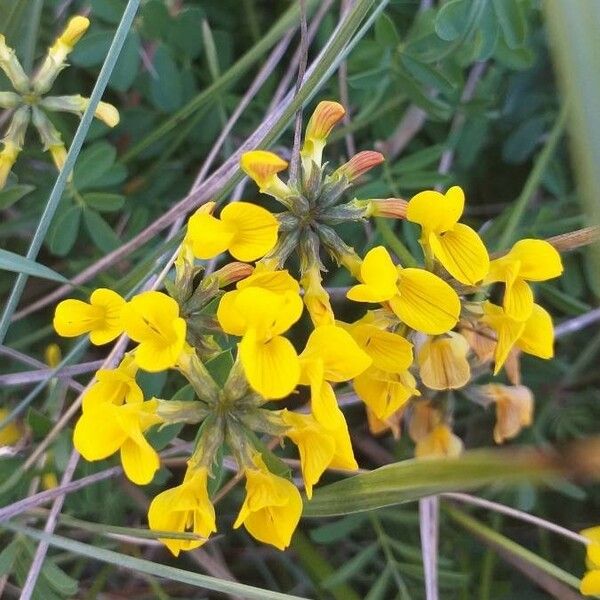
x: 9, y: 261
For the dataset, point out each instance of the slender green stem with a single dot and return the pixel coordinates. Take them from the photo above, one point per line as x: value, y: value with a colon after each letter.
x: 33, y: 25
x: 73, y: 153
x: 533, y: 181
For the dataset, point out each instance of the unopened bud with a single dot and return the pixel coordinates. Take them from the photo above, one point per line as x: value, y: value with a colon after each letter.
x: 262, y: 167
x: 181, y: 411
x: 59, y: 155
x: 77, y: 104
x: 8, y: 157
x: 9, y: 100
x: 316, y: 298
x: 10, y: 64
x: 52, y: 355
x: 322, y: 121
x: 233, y: 272
x: 196, y: 373
x: 390, y: 208
x: 359, y: 164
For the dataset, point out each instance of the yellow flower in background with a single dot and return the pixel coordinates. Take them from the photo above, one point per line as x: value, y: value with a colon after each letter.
x: 527, y: 260
x: 184, y: 508
x: 152, y: 319
x: 590, y: 584
x: 440, y: 442
x: 386, y: 385
x: 105, y: 428
x: 514, y: 409
x: 326, y: 115
x: 443, y: 363
x: 534, y: 336
x: 246, y: 230
x: 260, y: 316
x: 272, y: 507
x: 262, y: 167
x: 115, y: 386
x: 101, y: 317
x: 419, y: 298
x: 9, y: 434
x: 456, y: 246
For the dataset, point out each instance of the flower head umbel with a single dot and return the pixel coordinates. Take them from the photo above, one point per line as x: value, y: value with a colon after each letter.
x: 31, y: 103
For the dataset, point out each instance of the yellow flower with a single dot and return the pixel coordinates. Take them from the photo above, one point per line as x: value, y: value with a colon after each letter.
x: 533, y: 336
x: 260, y: 316
x: 440, y: 442
x: 152, y: 319
x: 317, y: 446
x: 527, y: 260
x: 443, y: 363
x: 456, y: 246
x: 8, y: 157
x: 101, y: 317
x: 115, y: 386
x: 9, y: 434
x: 52, y: 355
x: 248, y: 231
x: 262, y: 167
x: 392, y: 423
x: 272, y: 507
x: 514, y: 409
x: 419, y: 298
x: 386, y: 385
x: 320, y: 124
x: 316, y: 298
x: 590, y: 584
x: 104, y: 428
x: 184, y: 508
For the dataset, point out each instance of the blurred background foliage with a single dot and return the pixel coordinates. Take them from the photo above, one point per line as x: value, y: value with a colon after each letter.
x: 455, y: 92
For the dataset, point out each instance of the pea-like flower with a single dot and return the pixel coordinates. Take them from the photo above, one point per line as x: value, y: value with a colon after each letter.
x: 101, y: 317
x: 418, y: 298
x: 272, y: 507
x: 246, y: 230
x: 184, y: 508
x: 262, y: 167
x: 326, y: 115
x: 443, y: 363
x: 514, y: 409
x: 527, y: 260
x: 455, y: 245
x: 152, y: 319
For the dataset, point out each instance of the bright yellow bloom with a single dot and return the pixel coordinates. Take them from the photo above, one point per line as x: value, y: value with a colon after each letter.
x: 320, y: 124
x: 248, y: 231
x: 386, y: 385
x: 590, y: 584
x: 152, y: 319
x: 104, y: 428
x: 317, y: 446
x: 184, y: 508
x: 316, y: 298
x: 115, y: 386
x: 443, y: 363
x: 533, y: 336
x: 456, y: 246
x: 260, y: 316
x: 262, y: 167
x: 9, y: 434
x: 514, y: 409
x: 419, y: 298
x: 101, y: 318
x: 272, y: 508
x: 8, y: 157
x: 527, y: 260
x: 440, y: 442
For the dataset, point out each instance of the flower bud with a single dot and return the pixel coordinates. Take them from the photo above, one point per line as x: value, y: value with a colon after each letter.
x: 10, y: 64
x: 233, y: 272
x: 359, y: 164
x: 78, y: 104
x: 316, y: 298
x: 9, y: 100
x: 391, y: 208
x: 322, y: 121
x: 262, y: 167
x: 181, y: 411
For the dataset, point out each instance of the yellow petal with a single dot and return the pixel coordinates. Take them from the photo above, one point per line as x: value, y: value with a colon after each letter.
x: 111, y: 326
x: 441, y: 442
x: 590, y: 584
x: 426, y: 302
x: 140, y: 460
x: 98, y: 433
x: 208, y: 235
x: 379, y: 276
x: 462, y: 253
x: 507, y: 329
x: 9, y: 434
x: 232, y: 320
x: 255, y: 230
x: 539, y: 259
x: 592, y: 534
x: 75, y: 317
x: 443, y: 363
x: 323, y: 119
x: 436, y: 212
x: 389, y: 351
x: 514, y: 409
x: 518, y: 300
x: 278, y: 282
x: 262, y: 166
x: 271, y: 367
x: 537, y: 337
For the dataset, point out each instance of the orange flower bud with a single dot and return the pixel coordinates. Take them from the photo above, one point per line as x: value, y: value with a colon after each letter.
x: 359, y: 164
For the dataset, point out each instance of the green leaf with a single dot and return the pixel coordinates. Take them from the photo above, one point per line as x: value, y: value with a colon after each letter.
x: 185, y: 33
x: 94, y: 162
x: 91, y: 50
x: 155, y: 19
x: 351, y: 567
x: 60, y: 582
x: 452, y: 20
x: 385, y: 32
x: 13, y: 194
x: 166, y: 88
x: 127, y: 66
x: 100, y: 231
x: 219, y: 367
x: 431, y: 76
x: 9, y: 261
x: 39, y: 423
x: 512, y: 22
x: 418, y: 160
x: 109, y: 10
x: 104, y: 201
x: 8, y: 557
x: 123, y: 561
x: 410, y: 480
x: 64, y: 231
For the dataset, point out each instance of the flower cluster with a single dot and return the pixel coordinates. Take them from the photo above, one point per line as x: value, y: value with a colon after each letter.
x: 30, y: 103
x: 426, y: 331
